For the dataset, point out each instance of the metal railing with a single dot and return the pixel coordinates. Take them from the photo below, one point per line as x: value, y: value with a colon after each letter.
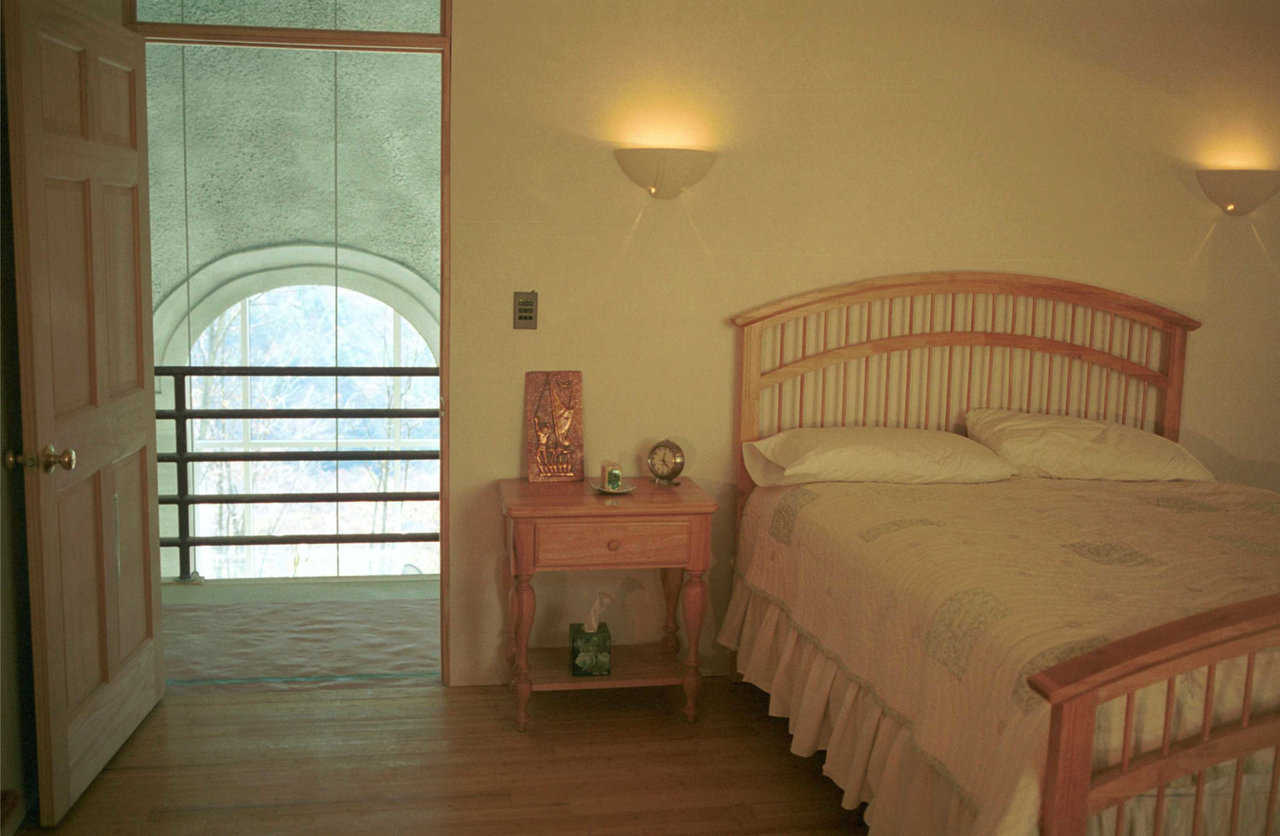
x: 183, y: 455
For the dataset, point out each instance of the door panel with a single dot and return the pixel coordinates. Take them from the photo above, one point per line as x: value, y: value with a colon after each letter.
x: 65, y: 94
x: 70, y: 288
x: 123, y: 280
x: 77, y: 147
x: 115, y: 104
x: 80, y: 562
x: 130, y: 518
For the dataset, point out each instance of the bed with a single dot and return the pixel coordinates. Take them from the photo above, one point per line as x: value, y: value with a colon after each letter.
x: 1019, y: 655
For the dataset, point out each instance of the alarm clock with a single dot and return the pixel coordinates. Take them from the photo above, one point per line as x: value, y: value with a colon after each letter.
x: 666, y: 460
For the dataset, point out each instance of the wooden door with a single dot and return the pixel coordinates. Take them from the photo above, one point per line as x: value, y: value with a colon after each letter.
x: 77, y: 135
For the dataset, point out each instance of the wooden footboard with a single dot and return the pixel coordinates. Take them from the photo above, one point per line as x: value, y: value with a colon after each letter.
x: 1075, y: 689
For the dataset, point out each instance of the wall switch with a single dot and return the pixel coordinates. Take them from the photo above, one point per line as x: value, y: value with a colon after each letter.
x: 524, y: 312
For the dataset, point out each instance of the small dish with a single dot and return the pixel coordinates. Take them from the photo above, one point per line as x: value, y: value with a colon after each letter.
x: 601, y: 489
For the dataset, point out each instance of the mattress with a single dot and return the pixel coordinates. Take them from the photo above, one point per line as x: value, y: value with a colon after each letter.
x: 896, y: 626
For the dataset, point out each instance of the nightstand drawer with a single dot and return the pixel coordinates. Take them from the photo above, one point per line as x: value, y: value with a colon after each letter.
x: 585, y: 544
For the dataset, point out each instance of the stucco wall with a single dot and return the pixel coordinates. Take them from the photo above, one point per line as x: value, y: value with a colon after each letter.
x: 856, y: 140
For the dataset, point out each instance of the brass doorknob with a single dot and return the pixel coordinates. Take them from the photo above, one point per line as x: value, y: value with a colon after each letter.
x: 51, y: 458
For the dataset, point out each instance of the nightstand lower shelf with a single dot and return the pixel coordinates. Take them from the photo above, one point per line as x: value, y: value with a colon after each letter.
x: 634, y: 666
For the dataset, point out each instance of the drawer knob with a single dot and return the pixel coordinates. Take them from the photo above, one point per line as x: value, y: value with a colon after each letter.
x: 614, y: 545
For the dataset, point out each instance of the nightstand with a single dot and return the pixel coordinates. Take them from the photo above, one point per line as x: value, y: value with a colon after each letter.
x: 569, y: 527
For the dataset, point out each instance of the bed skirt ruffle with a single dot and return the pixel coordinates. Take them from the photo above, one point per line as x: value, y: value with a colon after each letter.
x: 870, y: 753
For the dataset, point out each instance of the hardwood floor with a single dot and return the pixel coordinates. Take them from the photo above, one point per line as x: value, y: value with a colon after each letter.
x: 425, y: 759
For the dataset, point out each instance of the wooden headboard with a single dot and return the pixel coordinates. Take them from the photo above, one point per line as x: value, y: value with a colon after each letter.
x: 920, y: 350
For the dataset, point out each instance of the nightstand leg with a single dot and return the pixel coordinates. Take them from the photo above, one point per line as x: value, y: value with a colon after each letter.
x: 671, y: 591
x: 513, y: 613
x: 524, y: 623
x: 695, y: 604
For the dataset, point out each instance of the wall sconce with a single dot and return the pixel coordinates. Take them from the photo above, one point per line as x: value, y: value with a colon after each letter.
x: 1239, y: 191
x: 664, y: 172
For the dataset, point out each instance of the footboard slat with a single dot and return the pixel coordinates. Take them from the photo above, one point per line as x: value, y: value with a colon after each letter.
x: 1114, y: 785
x: 1270, y: 818
x: 1197, y: 826
x: 1236, y: 784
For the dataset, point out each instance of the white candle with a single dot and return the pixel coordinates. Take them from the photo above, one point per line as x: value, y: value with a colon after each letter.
x: 610, y: 476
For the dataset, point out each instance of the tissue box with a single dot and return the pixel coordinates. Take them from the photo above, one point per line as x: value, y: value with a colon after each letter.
x: 589, y: 653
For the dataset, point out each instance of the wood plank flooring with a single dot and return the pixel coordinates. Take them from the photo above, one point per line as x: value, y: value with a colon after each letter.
x: 424, y: 759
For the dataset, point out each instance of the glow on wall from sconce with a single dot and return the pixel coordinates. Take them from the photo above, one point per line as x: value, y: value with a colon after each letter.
x: 669, y: 121
x: 1236, y: 152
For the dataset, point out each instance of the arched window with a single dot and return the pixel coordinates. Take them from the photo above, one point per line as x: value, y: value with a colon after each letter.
x: 190, y: 307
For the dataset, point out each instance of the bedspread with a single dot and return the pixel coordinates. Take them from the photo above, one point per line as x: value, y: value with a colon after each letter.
x: 938, y: 601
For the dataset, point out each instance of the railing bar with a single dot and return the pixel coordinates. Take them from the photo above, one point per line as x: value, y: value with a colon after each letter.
x: 1235, y: 798
x: 303, y: 456
x: 1120, y: 818
x: 1126, y: 750
x: 180, y: 453
x: 298, y: 371
x: 304, y: 539
x: 1246, y: 708
x: 1169, y: 692
x: 1207, y: 725
x: 247, y: 498
x: 340, y: 412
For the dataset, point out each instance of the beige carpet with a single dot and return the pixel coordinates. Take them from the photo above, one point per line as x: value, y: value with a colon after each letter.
x: 318, y: 644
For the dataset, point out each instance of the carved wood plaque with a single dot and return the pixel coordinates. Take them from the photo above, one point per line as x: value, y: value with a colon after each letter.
x: 553, y: 426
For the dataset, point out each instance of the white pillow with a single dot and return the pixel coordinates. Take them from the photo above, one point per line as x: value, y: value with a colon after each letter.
x: 1061, y: 447
x: 870, y: 454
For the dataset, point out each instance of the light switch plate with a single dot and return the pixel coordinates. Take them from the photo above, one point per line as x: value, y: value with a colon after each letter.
x: 524, y: 310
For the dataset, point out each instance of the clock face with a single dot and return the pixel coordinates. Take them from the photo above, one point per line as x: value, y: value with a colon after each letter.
x: 666, y: 460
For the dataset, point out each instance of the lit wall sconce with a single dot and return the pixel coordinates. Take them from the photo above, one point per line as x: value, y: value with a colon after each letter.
x: 664, y: 172
x: 1239, y: 191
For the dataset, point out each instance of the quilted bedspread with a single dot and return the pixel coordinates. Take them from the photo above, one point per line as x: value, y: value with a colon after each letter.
x: 940, y: 600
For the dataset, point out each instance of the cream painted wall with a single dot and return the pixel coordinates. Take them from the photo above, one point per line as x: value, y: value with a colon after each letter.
x: 856, y: 140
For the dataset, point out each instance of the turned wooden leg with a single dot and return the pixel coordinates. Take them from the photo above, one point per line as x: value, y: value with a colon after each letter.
x: 671, y: 590
x: 524, y: 623
x: 513, y: 613
x: 695, y: 604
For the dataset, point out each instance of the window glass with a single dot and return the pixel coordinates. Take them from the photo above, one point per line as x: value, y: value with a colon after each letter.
x: 364, y: 15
